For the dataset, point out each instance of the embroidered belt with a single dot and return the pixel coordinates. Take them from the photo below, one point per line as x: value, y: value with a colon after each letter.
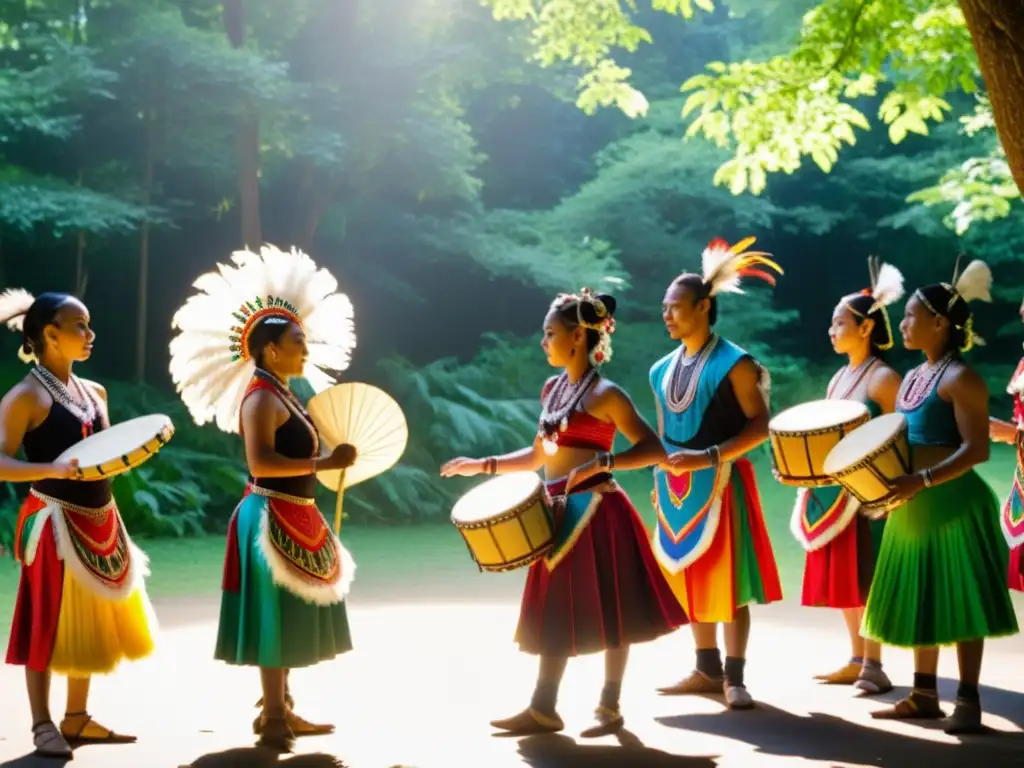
x: 272, y: 494
x: 90, y: 512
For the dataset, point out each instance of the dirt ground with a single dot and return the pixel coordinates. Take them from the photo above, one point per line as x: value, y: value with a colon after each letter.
x: 425, y: 678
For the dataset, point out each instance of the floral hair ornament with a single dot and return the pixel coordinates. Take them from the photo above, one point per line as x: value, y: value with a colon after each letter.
x: 974, y: 284
x: 723, y: 266
x: 210, y: 362
x: 605, y: 325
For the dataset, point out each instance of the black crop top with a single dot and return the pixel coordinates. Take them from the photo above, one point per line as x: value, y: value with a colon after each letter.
x: 294, y: 440
x: 59, y: 431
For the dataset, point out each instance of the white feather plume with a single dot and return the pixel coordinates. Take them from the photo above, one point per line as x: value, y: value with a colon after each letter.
x: 888, y: 287
x: 14, y: 303
x: 718, y: 268
x: 210, y: 381
x: 975, y: 282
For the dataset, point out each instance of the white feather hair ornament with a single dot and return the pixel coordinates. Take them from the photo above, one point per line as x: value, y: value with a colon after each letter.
x: 14, y: 304
x: 210, y: 363
x: 975, y: 284
x: 724, y: 266
x: 886, y: 284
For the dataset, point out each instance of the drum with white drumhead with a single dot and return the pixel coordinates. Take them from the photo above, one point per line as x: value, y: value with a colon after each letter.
x: 802, y: 436
x: 120, y: 447
x: 866, y: 461
x: 506, y: 521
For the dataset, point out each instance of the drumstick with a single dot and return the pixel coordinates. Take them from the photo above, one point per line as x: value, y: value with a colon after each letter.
x: 338, y: 504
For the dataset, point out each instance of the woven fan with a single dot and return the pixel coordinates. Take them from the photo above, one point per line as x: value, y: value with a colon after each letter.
x: 363, y: 416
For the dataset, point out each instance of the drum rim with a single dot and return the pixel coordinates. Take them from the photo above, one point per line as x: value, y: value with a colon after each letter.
x: 518, y: 563
x: 875, y: 453
x: 531, y: 501
x: 864, y: 418
x: 830, y: 401
x: 149, y: 448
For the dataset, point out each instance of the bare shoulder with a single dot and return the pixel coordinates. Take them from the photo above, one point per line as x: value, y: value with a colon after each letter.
x: 962, y: 381
x: 885, y: 376
x: 610, y: 394
x: 747, y: 372
x: 97, y: 388
x: 27, y: 394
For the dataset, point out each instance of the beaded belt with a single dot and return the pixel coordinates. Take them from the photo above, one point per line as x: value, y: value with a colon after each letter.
x: 272, y: 494
x: 94, y: 512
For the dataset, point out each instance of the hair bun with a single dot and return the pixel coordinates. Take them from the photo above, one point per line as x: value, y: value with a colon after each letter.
x: 596, y: 309
x: 609, y: 303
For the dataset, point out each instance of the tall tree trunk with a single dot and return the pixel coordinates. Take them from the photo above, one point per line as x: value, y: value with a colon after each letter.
x: 147, y: 196
x: 81, y: 278
x: 997, y: 31
x: 247, y: 140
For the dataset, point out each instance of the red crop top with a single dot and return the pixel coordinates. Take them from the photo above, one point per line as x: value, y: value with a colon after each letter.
x: 584, y: 430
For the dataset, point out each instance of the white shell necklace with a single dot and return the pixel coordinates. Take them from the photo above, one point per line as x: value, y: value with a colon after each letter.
x: 83, y: 407
x: 562, y: 400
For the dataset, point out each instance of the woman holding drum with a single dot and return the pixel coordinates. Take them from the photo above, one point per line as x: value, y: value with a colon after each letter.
x: 1013, y: 508
x: 841, y: 542
x: 598, y: 588
x: 941, y: 572
x: 81, y: 605
x: 251, y: 328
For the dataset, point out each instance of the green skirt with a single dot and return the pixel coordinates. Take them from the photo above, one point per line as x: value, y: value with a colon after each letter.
x: 941, y: 572
x: 264, y: 624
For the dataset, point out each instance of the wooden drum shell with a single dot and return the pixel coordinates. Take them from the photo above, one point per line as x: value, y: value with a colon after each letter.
x: 870, y: 479
x: 798, y: 456
x: 512, y: 539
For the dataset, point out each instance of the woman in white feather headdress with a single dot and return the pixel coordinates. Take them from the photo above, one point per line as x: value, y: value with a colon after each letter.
x: 253, y: 325
x: 940, y: 578
x: 842, y: 544
x: 82, y: 606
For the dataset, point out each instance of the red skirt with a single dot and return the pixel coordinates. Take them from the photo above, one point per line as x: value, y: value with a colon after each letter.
x: 608, y: 590
x: 838, y: 575
x: 1016, y: 571
x: 40, y: 589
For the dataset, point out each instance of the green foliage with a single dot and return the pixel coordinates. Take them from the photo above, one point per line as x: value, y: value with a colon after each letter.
x: 584, y: 33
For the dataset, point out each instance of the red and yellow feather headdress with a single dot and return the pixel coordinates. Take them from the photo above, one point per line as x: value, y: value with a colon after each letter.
x: 723, y: 266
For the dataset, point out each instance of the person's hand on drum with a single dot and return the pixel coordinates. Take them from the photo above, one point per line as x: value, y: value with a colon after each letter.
x: 462, y: 467
x: 681, y: 462
x: 342, y: 457
x: 908, y: 486
x: 67, y: 470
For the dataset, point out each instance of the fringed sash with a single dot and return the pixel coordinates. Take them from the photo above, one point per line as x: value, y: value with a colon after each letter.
x: 303, y: 554
x: 94, y: 545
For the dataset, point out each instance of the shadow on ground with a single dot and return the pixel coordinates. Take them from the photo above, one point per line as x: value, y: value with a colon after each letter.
x: 557, y: 751
x: 830, y: 739
x: 255, y: 757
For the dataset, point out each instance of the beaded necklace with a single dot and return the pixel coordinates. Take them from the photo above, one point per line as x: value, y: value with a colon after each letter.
x: 83, y: 407
x: 921, y: 381
x: 292, y: 403
x: 684, y: 375
x: 562, y: 399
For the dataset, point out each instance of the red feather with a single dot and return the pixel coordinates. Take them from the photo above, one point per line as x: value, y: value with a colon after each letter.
x: 717, y: 243
x: 759, y: 274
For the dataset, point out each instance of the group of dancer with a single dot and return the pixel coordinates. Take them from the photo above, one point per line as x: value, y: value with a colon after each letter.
x: 935, y: 572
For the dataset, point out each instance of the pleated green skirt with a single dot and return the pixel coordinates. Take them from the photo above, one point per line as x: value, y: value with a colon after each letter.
x: 263, y: 624
x: 941, y: 572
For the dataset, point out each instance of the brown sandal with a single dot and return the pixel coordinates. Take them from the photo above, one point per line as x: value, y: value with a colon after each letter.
x: 79, y: 736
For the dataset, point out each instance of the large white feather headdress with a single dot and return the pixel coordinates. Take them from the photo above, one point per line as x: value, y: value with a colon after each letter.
x: 14, y: 304
x: 210, y: 364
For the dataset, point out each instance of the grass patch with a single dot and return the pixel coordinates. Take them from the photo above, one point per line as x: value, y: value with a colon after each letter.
x: 395, y: 560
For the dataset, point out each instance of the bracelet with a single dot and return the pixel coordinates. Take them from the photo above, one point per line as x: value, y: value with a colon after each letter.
x: 714, y: 454
x: 490, y: 466
x: 927, y: 477
x: 606, y: 460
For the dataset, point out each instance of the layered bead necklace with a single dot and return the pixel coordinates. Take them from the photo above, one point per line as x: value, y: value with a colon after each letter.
x: 921, y: 381
x: 83, y: 407
x: 684, y: 375
x: 563, y: 398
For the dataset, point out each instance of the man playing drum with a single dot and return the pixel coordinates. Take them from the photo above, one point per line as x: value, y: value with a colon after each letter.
x: 598, y: 588
x: 253, y: 326
x: 1013, y: 508
x: 841, y: 552
x: 710, y: 538
x: 81, y: 605
x: 941, y: 572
